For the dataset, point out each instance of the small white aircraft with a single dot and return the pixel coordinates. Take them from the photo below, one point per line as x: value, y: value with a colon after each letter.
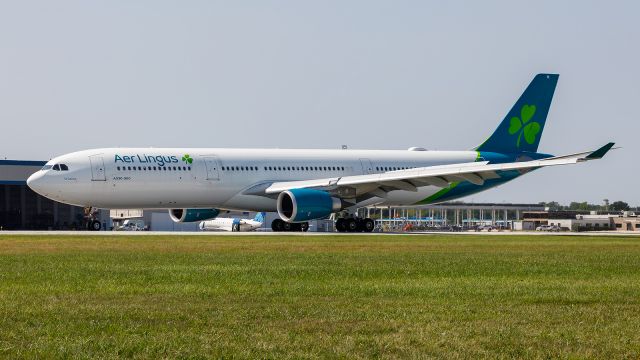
x: 306, y: 184
x: 233, y: 224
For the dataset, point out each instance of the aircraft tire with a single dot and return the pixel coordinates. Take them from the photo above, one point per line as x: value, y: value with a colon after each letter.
x: 304, y: 227
x: 286, y: 226
x: 340, y: 226
x: 368, y: 225
x: 277, y: 225
x: 95, y: 225
x: 351, y: 225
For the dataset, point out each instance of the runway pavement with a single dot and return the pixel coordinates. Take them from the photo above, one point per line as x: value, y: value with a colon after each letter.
x: 270, y: 233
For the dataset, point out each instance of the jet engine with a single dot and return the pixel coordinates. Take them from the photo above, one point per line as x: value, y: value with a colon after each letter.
x: 192, y: 215
x: 300, y: 205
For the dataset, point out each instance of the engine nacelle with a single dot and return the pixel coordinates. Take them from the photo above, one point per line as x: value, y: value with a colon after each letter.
x: 299, y: 205
x: 192, y: 215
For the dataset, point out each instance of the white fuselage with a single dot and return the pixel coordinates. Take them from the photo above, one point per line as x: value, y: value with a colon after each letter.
x: 229, y: 224
x: 218, y: 178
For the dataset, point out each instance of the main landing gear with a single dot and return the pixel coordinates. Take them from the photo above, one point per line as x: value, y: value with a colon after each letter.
x: 355, y: 225
x: 280, y: 225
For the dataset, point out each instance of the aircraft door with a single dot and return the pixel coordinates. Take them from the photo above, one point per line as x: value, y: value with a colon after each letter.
x: 213, y: 168
x: 367, y: 167
x: 97, y: 168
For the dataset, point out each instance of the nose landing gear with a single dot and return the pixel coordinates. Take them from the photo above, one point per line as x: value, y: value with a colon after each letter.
x: 91, y: 218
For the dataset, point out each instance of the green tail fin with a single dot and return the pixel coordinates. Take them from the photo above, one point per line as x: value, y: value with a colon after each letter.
x: 521, y: 129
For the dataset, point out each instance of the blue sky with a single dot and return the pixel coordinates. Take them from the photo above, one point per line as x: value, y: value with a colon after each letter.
x: 391, y: 75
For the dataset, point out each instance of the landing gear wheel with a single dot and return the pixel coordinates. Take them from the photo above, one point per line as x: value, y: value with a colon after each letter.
x: 340, y: 225
x: 368, y: 225
x: 277, y: 225
x: 95, y: 225
x: 304, y: 227
x: 351, y: 225
x: 287, y: 226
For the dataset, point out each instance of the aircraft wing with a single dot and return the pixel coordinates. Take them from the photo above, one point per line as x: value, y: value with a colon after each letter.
x: 440, y: 176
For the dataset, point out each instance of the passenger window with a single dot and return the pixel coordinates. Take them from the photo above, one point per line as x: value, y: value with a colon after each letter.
x: 189, y: 167
x: 174, y: 168
x: 129, y: 168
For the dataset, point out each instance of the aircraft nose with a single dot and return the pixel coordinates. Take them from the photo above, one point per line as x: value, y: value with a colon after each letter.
x: 35, y: 182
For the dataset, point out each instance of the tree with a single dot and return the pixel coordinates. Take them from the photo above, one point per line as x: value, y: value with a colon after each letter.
x: 619, y: 206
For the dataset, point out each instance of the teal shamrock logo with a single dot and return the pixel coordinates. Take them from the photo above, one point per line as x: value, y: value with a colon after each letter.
x: 187, y: 159
x: 523, y: 126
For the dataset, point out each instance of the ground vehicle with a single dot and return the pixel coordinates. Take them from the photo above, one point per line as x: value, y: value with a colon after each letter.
x: 553, y: 228
x: 485, y: 227
x: 132, y: 225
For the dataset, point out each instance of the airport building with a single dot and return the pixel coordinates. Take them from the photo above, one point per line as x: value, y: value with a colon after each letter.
x: 23, y: 209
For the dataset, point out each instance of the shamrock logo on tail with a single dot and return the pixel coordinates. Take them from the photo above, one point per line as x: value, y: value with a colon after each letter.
x: 187, y: 159
x: 523, y: 126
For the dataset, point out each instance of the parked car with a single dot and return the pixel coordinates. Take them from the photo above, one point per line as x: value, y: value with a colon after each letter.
x: 553, y: 228
x: 485, y: 227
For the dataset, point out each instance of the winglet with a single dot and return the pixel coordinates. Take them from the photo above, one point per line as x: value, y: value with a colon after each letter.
x: 598, y: 154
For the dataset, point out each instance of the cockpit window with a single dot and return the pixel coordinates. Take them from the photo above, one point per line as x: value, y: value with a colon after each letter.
x: 56, y: 167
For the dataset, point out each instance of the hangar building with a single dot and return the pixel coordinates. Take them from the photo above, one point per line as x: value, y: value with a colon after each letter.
x: 23, y: 209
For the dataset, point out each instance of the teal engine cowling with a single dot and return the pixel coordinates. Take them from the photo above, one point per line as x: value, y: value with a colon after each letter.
x: 192, y: 215
x: 299, y: 205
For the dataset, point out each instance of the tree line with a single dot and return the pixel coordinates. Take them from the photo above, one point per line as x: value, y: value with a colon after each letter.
x: 585, y: 206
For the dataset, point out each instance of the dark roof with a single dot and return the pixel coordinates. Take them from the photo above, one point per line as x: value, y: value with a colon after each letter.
x: 22, y: 162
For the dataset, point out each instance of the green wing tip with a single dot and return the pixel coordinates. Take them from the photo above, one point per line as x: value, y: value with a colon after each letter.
x: 598, y: 154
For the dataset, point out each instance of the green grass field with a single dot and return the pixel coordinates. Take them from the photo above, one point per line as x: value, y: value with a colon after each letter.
x: 316, y: 297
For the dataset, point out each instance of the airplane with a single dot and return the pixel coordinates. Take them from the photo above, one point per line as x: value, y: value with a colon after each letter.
x: 196, y: 184
x: 233, y: 224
